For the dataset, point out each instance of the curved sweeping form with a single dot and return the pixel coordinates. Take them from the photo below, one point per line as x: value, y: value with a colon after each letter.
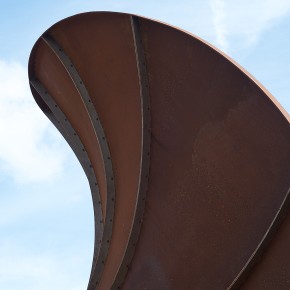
x: 187, y: 156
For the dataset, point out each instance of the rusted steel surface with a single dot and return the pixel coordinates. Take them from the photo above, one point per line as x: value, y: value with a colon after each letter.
x: 191, y: 154
x: 57, y: 79
x: 119, y: 106
x: 145, y: 158
x: 273, y: 270
x: 108, y: 209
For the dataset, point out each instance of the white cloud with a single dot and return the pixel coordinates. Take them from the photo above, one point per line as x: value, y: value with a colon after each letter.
x: 25, y: 131
x: 219, y: 22
x: 241, y: 23
x: 27, y: 270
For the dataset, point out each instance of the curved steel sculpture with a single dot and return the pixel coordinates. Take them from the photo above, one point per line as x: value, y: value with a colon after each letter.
x: 187, y: 156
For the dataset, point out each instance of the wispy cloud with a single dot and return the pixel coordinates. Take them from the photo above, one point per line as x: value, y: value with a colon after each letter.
x: 219, y: 23
x: 25, y: 151
x: 33, y: 271
x: 46, y: 233
x: 241, y: 23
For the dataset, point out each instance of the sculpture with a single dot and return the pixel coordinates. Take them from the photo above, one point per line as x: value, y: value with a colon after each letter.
x: 186, y: 154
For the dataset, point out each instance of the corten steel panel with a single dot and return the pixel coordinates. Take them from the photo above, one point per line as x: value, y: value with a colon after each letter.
x: 219, y: 166
x: 58, y: 83
x: 217, y: 193
x: 106, y: 63
x: 56, y: 79
x: 273, y: 271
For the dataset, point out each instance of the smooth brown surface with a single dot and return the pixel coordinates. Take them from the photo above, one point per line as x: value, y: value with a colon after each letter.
x: 113, y: 97
x: 219, y: 151
x: 273, y: 270
x: 117, y: 101
x: 219, y: 166
x: 60, y: 86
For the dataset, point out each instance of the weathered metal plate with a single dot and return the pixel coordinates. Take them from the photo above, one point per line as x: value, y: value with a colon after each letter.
x: 272, y: 272
x: 218, y: 145
x: 70, y: 107
x: 102, y: 64
x: 219, y: 171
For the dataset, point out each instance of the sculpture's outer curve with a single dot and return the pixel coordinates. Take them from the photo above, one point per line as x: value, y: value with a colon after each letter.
x: 164, y: 124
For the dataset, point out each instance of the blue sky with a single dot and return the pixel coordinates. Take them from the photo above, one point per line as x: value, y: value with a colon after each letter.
x: 46, y: 215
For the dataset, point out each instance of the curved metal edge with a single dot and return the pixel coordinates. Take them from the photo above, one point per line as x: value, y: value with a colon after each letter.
x: 264, y: 243
x: 101, y: 255
x: 59, y: 120
x: 277, y: 104
x: 145, y: 159
x: 279, y: 107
